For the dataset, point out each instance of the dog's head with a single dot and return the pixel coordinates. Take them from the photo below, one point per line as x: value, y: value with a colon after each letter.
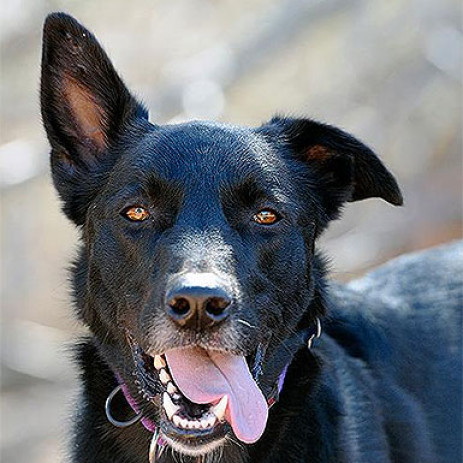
x: 198, y: 239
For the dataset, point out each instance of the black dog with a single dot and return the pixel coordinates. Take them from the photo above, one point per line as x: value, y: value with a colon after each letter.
x: 200, y: 284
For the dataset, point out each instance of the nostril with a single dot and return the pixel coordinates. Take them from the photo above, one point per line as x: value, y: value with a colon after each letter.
x: 179, y: 306
x: 198, y: 300
x: 216, y: 306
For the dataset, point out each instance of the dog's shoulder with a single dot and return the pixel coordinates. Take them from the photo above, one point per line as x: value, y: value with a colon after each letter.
x: 396, y: 334
x: 422, y: 291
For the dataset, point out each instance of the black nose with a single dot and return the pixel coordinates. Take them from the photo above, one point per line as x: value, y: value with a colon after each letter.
x: 198, y: 300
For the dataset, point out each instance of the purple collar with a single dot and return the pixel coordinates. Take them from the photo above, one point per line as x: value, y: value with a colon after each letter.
x: 146, y: 422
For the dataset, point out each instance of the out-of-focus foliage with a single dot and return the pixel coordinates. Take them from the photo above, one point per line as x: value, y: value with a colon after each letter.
x: 387, y: 71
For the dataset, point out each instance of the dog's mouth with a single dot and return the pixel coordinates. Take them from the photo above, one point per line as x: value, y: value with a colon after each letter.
x: 203, y: 396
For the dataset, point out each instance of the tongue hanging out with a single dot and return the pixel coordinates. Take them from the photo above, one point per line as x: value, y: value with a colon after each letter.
x: 206, y: 376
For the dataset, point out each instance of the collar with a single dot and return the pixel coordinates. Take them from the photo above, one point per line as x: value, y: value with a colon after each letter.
x: 306, y: 336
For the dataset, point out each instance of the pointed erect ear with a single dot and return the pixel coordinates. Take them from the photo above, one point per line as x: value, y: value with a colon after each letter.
x: 85, y: 108
x: 344, y: 168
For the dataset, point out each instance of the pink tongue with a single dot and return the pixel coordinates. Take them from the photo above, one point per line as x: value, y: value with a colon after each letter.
x: 206, y: 376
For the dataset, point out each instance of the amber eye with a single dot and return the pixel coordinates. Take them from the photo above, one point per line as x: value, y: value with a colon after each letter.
x: 136, y: 213
x: 266, y: 217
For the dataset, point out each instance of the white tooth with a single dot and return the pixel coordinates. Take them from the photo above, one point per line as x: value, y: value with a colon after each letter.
x: 159, y: 362
x: 211, y: 421
x: 171, y: 389
x: 177, y: 420
x: 176, y: 396
x: 170, y: 408
x: 197, y: 424
x: 191, y: 424
x: 204, y: 424
x: 184, y: 423
x: 164, y: 376
x: 219, y: 409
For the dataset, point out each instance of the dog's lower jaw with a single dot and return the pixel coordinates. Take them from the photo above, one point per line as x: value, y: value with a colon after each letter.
x: 195, y: 451
x: 172, y: 435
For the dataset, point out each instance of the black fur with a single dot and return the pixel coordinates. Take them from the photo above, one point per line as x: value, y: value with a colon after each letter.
x: 366, y: 393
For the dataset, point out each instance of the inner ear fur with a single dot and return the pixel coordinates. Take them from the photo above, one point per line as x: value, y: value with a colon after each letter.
x: 90, y: 118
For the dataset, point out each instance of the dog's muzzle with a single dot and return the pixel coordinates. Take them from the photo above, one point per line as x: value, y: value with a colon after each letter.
x: 214, y: 413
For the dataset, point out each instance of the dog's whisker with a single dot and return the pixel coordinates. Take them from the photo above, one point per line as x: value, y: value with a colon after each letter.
x: 244, y: 322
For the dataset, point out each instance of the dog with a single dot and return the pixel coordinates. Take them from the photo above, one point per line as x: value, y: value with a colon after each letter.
x: 215, y: 335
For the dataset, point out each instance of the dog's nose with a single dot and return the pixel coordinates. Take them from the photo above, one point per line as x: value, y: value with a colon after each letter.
x: 198, y: 300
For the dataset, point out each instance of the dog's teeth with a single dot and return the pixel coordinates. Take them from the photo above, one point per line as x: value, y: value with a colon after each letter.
x: 170, y: 408
x: 177, y: 420
x: 219, y: 409
x: 204, y: 424
x: 211, y: 421
x: 176, y: 396
x: 184, y: 423
x: 159, y: 362
x: 164, y: 376
x: 171, y: 389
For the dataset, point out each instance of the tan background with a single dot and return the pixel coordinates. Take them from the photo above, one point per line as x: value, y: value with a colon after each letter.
x: 387, y: 71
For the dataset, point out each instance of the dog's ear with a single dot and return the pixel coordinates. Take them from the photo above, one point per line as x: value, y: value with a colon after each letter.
x: 85, y: 108
x: 344, y: 169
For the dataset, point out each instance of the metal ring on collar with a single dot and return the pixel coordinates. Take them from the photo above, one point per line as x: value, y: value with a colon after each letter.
x: 111, y: 419
x: 316, y: 335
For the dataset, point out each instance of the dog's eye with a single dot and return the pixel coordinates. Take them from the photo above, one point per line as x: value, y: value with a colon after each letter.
x: 266, y: 217
x: 136, y: 213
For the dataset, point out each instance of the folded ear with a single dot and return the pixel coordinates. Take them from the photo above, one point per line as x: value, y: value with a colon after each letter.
x: 344, y: 169
x: 85, y: 108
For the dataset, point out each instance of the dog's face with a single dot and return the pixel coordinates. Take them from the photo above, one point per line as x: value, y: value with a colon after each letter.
x: 197, y: 261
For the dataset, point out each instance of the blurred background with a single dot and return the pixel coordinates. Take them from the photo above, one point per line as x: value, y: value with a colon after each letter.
x: 387, y: 71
